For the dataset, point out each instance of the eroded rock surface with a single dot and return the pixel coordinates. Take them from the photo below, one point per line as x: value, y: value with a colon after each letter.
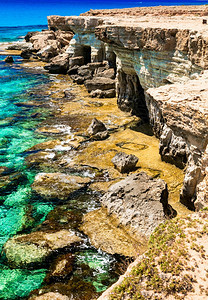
x: 124, y: 162
x: 58, y: 185
x: 34, y: 248
x: 179, y: 116
x: 139, y: 201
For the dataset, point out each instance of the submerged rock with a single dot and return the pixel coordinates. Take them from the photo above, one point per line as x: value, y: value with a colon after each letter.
x: 96, y: 126
x: 124, y: 163
x: 34, y: 248
x: 58, y: 185
x: 139, y: 201
x: 61, y: 268
x: 50, y: 296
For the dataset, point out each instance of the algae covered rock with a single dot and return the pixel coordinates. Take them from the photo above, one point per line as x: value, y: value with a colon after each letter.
x: 58, y: 185
x: 34, y: 248
x: 124, y: 162
x: 139, y: 201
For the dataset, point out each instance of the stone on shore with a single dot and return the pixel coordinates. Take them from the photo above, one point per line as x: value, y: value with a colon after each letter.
x: 26, y: 250
x: 100, y: 83
x: 96, y: 126
x: 58, y: 185
x: 59, y: 64
x: 138, y: 201
x: 124, y: 163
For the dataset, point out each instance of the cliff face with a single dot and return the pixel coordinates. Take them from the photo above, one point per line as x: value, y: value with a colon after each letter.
x: 147, y: 53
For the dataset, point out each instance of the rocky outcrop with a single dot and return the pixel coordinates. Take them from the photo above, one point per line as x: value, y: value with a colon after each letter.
x: 59, y: 64
x: 9, y: 59
x: 138, y: 201
x: 179, y: 117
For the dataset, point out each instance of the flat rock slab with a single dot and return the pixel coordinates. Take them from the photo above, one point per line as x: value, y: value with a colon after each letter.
x: 106, y: 234
x: 58, y: 185
x: 34, y: 248
x: 100, y: 83
x: 139, y: 201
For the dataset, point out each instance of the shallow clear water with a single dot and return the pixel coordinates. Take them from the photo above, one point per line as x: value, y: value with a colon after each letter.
x: 20, y: 209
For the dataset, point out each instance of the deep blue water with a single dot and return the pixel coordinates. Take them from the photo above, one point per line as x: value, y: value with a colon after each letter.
x: 30, y: 12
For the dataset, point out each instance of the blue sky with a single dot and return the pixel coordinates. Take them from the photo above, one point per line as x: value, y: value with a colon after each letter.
x: 34, y: 12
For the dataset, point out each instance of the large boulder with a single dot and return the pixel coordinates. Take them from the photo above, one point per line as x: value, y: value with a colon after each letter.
x: 59, y: 64
x: 20, y: 46
x: 58, y: 185
x: 26, y: 250
x: 139, y: 201
x: 124, y: 163
x: 100, y: 83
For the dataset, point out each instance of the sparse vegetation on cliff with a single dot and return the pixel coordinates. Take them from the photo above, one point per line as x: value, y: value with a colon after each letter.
x: 174, y: 265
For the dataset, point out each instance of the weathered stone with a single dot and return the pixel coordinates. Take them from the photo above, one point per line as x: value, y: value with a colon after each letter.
x: 103, y: 135
x: 139, y: 201
x: 9, y: 59
x: 85, y: 72
x: 73, y: 70
x: 103, y: 94
x: 50, y: 296
x: 59, y: 64
x: 76, y: 61
x: 26, y: 54
x: 28, y: 249
x: 42, y: 39
x: 109, y: 73
x: 100, y: 83
x: 58, y: 185
x: 78, y: 79
x: 20, y: 46
x: 107, y: 234
x: 96, y: 126
x: 124, y: 163
x: 48, y: 52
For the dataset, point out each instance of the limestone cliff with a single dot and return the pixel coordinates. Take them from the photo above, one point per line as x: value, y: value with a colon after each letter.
x: 149, y: 51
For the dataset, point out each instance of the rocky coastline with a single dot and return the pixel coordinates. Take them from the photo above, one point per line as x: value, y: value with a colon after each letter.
x: 140, y: 76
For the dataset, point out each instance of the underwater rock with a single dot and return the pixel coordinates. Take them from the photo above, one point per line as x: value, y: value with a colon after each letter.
x: 96, y: 126
x: 10, y: 180
x: 58, y: 185
x: 60, y: 268
x: 50, y: 296
x: 9, y: 59
x: 139, y: 201
x: 59, y: 64
x: 26, y: 250
x: 124, y: 163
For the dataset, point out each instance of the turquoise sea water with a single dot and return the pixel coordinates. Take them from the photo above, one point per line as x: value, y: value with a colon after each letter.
x: 20, y: 209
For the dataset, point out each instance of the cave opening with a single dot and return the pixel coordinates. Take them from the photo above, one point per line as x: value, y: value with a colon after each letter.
x: 131, y: 97
x: 86, y: 52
